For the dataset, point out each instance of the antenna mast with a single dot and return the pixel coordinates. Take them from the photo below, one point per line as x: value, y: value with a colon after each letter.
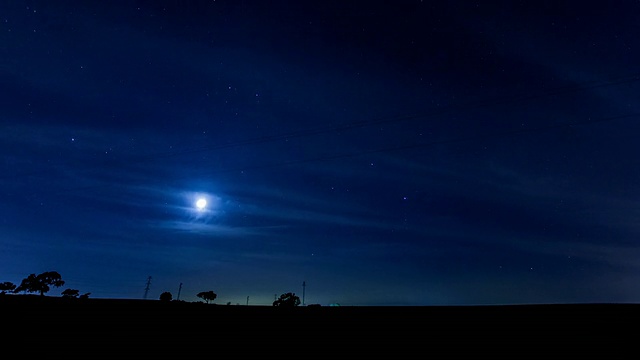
x: 146, y: 289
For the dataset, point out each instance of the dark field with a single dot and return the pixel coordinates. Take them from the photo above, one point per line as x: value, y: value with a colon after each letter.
x: 155, y: 327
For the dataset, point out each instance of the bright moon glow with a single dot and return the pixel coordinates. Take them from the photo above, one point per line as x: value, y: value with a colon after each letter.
x: 201, y: 203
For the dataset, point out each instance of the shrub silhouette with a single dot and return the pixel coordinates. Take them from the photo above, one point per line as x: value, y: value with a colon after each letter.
x: 166, y: 296
x: 70, y: 293
x: 287, y: 300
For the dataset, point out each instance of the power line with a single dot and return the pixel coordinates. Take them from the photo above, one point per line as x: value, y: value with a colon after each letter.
x: 146, y: 289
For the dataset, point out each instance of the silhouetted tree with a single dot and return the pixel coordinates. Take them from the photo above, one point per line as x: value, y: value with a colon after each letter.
x: 27, y: 284
x: 70, y: 293
x: 7, y: 286
x: 85, y: 296
x: 287, y: 300
x: 207, y: 296
x: 40, y: 283
x: 166, y: 296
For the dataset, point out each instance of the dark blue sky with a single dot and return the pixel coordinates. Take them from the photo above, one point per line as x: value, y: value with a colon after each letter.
x: 383, y: 152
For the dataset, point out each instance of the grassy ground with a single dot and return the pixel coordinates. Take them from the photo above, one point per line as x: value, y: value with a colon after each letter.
x: 162, y: 328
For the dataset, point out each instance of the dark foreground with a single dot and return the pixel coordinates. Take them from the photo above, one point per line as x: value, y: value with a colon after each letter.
x: 109, y: 326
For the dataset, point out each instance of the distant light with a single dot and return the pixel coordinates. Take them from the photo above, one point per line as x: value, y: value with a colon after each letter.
x: 201, y: 203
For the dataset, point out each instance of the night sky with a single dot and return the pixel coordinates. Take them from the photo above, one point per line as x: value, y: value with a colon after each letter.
x: 383, y: 152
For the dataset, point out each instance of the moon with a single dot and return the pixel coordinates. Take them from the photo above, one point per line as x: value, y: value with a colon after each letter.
x: 201, y: 203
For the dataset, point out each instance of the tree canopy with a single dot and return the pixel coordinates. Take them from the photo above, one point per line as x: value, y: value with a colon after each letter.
x: 287, y: 300
x: 166, y: 296
x: 207, y: 296
x: 7, y: 286
x: 40, y: 283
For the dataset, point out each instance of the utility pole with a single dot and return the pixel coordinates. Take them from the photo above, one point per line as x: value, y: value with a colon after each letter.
x: 179, y: 289
x: 304, y: 284
x: 146, y: 289
x: 247, y: 300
